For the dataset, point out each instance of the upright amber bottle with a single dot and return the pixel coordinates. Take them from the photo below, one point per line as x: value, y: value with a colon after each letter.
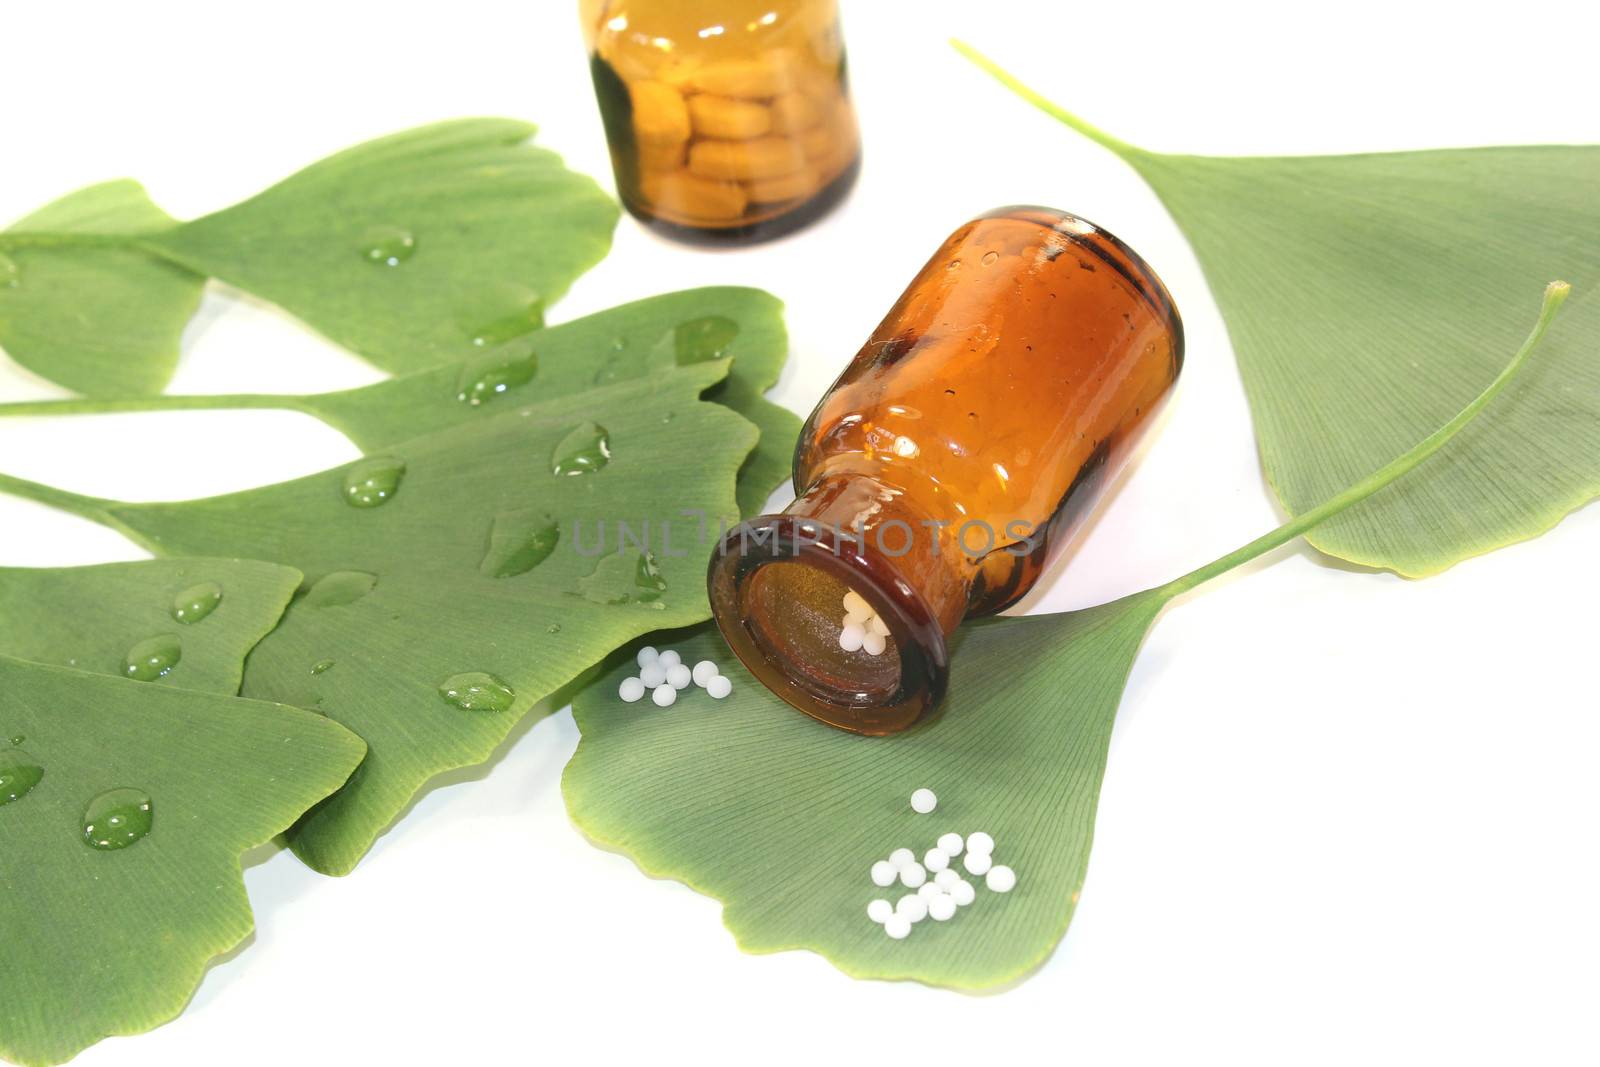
x: 728, y: 120
x: 951, y: 460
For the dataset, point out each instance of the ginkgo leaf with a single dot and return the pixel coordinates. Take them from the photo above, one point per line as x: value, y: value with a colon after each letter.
x: 414, y: 249
x: 1366, y: 297
x: 100, y: 318
x: 420, y: 630
x: 724, y: 794
x: 674, y: 329
x: 131, y: 619
x: 124, y: 808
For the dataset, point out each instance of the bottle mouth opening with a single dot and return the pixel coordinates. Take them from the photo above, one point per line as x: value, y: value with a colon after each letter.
x: 777, y: 585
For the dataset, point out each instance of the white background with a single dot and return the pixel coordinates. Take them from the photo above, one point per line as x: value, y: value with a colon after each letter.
x: 1346, y: 817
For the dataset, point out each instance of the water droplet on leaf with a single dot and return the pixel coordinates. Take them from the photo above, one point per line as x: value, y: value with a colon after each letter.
x: 373, y: 481
x: 321, y: 666
x: 388, y: 246
x: 518, y: 542
x: 152, y: 658
x: 698, y: 340
x: 340, y: 587
x: 196, y: 602
x: 503, y: 313
x: 10, y: 272
x: 116, y: 819
x: 491, y: 377
x: 477, y: 691
x: 585, y: 449
x: 19, y: 772
x: 628, y: 576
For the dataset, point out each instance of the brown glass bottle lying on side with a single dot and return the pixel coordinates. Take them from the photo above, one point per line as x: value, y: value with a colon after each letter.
x: 950, y: 462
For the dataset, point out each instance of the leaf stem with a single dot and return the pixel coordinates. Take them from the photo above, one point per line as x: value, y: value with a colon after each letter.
x: 93, y: 508
x: 1554, y: 295
x: 1056, y: 111
x: 108, y: 406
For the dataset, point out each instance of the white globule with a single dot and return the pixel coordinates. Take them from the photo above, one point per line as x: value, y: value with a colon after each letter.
x: 1001, y: 879
x: 913, y: 875
x: 719, y: 687
x: 647, y: 655
x: 631, y: 689
x: 878, y: 626
x: 856, y: 604
x: 942, y: 907
x: 670, y: 658
x: 884, y: 873
x: 977, y: 862
x: 929, y: 889
x: 963, y: 893
x: 851, y: 637
x: 663, y: 695
x: 652, y: 674
x: 923, y: 801
x: 703, y: 672
x: 951, y: 844
x: 902, y: 857
x: 897, y: 926
x: 678, y: 676
x: 880, y: 910
x: 947, y: 878
x: 873, y: 643
x: 980, y: 842
x: 912, y: 907
x: 935, y: 859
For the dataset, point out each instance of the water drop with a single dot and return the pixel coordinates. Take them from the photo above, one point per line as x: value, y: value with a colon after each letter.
x: 493, y: 376
x: 116, y: 819
x: 196, y: 602
x: 10, y: 272
x: 477, y: 691
x: 501, y: 313
x: 989, y: 258
x: 954, y: 264
x: 518, y: 542
x: 372, y: 481
x: 628, y: 576
x: 553, y: 628
x: 18, y: 739
x: 19, y: 772
x: 152, y: 658
x: 387, y: 246
x: 585, y: 449
x: 321, y: 666
x: 698, y: 340
x: 340, y: 587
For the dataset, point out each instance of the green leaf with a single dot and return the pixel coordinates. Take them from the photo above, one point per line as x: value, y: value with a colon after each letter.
x: 620, y: 343
x: 91, y: 618
x: 723, y: 795
x: 1367, y: 296
x: 95, y: 317
x: 377, y: 649
x: 407, y: 248
x: 100, y: 942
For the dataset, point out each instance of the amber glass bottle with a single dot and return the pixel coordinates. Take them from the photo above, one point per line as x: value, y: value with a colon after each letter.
x: 950, y: 461
x: 728, y: 120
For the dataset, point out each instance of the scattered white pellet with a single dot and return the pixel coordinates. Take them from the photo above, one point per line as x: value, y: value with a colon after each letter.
x: 912, y: 875
x: 980, y: 842
x: 647, y: 655
x: 878, y: 626
x: 897, y: 926
x: 873, y: 643
x: 951, y: 844
x: 856, y: 604
x: 912, y: 907
x: 880, y: 910
x: 663, y: 695
x: 923, y: 801
x: 977, y: 862
x: 941, y: 907
x: 935, y: 859
x: 1001, y: 879
x: 719, y: 687
x: 703, y: 672
x: 902, y: 857
x: 851, y: 637
x: 963, y: 893
x: 678, y: 676
x: 947, y: 878
x: 929, y: 889
x: 631, y: 689
x: 652, y: 674
x: 884, y: 873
